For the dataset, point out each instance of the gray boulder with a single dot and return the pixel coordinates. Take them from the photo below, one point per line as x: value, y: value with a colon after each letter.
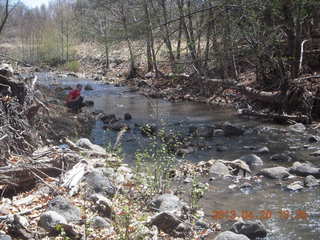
x: 63, y: 207
x: 311, y: 181
x: 88, y: 87
x: 87, y: 144
x: 98, y: 183
x: 228, y: 235
x: 205, y: 131
x: 127, y: 116
x: 275, y: 172
x: 219, y: 169
x: 166, y: 202
x: 252, y: 229
x: 281, y: 157
x: 170, y: 224
x: 231, y: 130
x: 252, y: 160
x: 98, y: 222
x: 263, y: 150
x: 111, y: 118
x: 218, y: 132
x: 305, y: 169
x: 50, y: 219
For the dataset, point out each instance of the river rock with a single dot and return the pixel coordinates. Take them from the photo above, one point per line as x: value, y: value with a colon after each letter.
x: 99, y: 183
x: 88, y: 87
x: 311, y: 181
x: 295, y: 186
x: 117, y: 126
x: 67, y: 88
x: 50, y: 219
x: 231, y: 130
x: 315, y: 154
x: 281, y: 157
x: 228, y: 235
x: 63, y: 207
x: 252, y: 160
x: 221, y: 148
x: 6, y: 70
x: 72, y: 74
x: 218, y: 132
x: 89, y: 103
x: 166, y: 202
x: 252, y: 229
x: 263, y: 150
x: 5, y: 237
x: 101, y: 204
x: 275, y: 172
x: 185, y: 150
x: 98, y: 222
x: 127, y: 116
x: 205, y: 131
x: 110, y: 118
x: 219, y: 169
x: 170, y: 224
x: 298, y: 128
x: 305, y: 169
x: 313, y: 139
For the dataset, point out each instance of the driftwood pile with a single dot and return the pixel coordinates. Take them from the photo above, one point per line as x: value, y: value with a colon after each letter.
x: 18, y: 108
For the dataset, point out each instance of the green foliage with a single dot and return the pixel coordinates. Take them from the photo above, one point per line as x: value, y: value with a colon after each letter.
x: 62, y: 233
x: 197, y: 192
x: 73, y: 66
x: 153, y: 165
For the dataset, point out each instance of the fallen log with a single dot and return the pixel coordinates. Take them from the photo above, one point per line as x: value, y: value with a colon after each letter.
x: 278, y: 118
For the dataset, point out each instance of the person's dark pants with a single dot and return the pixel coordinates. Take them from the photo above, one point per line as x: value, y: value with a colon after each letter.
x: 77, y: 105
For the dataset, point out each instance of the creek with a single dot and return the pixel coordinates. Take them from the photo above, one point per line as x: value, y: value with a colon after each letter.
x: 266, y: 195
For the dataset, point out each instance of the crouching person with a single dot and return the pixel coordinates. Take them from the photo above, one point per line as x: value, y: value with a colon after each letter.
x: 74, y: 100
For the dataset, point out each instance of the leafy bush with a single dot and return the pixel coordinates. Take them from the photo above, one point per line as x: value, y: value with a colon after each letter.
x: 73, y: 66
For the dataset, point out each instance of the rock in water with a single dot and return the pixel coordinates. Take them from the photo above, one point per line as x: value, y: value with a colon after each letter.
x: 228, y: 235
x: 298, y: 128
x: 295, y: 186
x: 127, y: 116
x: 305, y: 169
x: 275, y: 172
x: 219, y: 169
x: 231, y: 130
x: 252, y: 229
x: 252, y: 160
x: 311, y: 181
x: 88, y: 87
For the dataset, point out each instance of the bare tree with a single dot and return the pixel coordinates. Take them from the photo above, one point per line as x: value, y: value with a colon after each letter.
x: 6, y: 13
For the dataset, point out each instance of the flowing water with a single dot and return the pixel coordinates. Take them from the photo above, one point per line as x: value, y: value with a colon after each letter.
x: 302, y: 208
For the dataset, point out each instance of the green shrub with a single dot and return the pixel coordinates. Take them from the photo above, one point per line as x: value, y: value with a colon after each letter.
x: 73, y: 66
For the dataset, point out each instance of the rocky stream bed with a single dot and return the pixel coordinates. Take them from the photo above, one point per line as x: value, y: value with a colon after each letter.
x: 231, y: 177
